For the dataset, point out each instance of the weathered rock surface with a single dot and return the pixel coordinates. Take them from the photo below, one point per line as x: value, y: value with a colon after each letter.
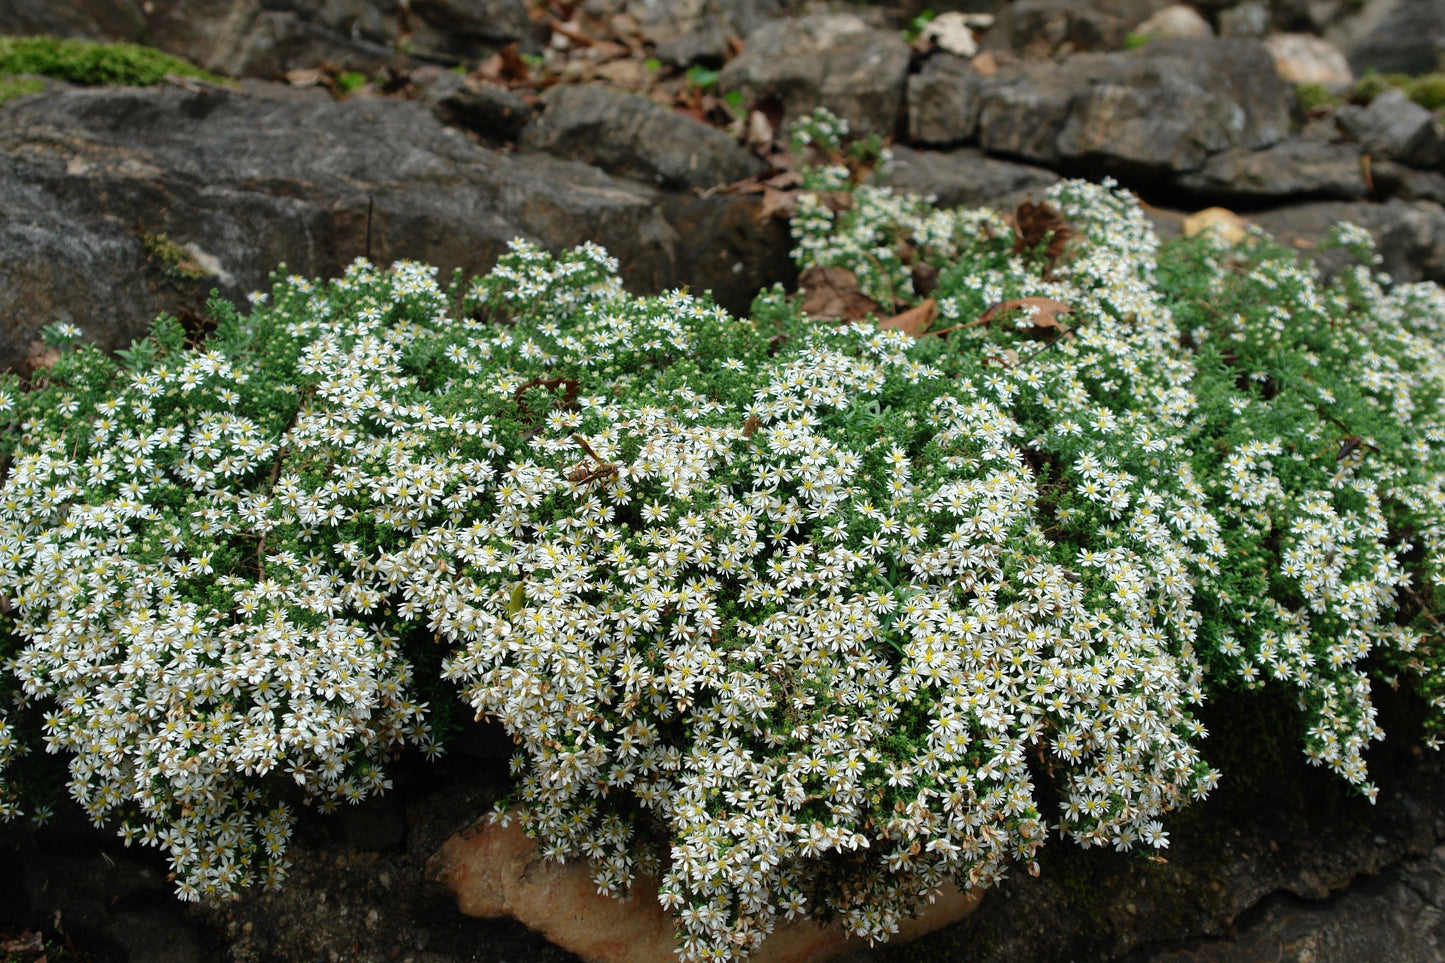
x: 824, y: 60
x: 630, y: 136
x: 496, y: 870
x: 1294, y: 168
x: 943, y: 101
x: 1041, y: 28
x: 1398, y: 915
x: 1250, y: 19
x: 1395, y: 127
x: 963, y: 178
x: 250, y: 179
x: 1410, y: 234
x: 89, y: 19
x: 265, y: 38
x: 1409, y: 38
x: 493, y: 113
x: 1162, y: 109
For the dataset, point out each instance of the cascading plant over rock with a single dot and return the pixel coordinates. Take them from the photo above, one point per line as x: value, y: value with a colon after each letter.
x: 800, y: 617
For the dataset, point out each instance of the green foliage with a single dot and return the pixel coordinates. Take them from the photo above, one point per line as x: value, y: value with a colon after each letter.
x: 350, y: 81
x: 800, y: 617
x: 87, y: 62
x: 1133, y: 41
x: 13, y: 87
x: 701, y: 77
x: 916, y: 25
x: 1427, y: 90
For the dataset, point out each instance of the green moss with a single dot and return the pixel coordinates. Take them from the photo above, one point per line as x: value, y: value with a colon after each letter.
x: 1133, y: 41
x: 1312, y: 96
x: 179, y: 264
x: 85, y: 62
x: 12, y: 87
x: 1427, y: 90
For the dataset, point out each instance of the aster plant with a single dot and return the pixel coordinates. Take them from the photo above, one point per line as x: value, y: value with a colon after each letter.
x: 803, y: 617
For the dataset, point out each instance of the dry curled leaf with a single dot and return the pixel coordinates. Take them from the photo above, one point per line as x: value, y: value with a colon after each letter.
x: 506, y: 66
x: 832, y: 293
x: 777, y: 203
x: 1042, y: 223
x: 914, y: 321
x: 1043, y: 312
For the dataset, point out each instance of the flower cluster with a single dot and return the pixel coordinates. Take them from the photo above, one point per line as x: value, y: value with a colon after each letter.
x: 803, y: 619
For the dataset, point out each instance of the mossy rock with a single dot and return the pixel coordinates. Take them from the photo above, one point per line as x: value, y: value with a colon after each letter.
x: 86, y: 62
x: 1427, y: 90
x: 13, y: 87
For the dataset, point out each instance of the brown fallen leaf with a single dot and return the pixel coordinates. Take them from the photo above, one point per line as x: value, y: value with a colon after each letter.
x: 759, y: 132
x: 1044, y: 313
x: 925, y: 279
x: 1036, y: 224
x: 832, y: 293
x: 777, y: 203
x: 914, y: 321
x: 785, y: 179
x: 986, y: 63
x: 506, y: 65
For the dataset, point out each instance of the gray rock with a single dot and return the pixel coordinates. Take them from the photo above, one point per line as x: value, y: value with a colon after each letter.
x: 665, y: 21
x: 962, y: 178
x: 496, y: 20
x: 705, y: 42
x: 1410, y: 234
x: 1396, y: 127
x: 1250, y: 19
x: 266, y: 38
x: 1023, y: 110
x: 246, y: 179
x: 943, y: 101
x: 60, y: 264
x: 1397, y: 916
x: 240, y: 38
x: 495, y: 114
x: 464, y: 30
x: 91, y: 19
x: 1148, y: 113
x: 631, y: 136
x: 1408, y: 183
x: 1296, y: 167
x: 1042, y: 28
x: 824, y: 60
x: 1408, y: 39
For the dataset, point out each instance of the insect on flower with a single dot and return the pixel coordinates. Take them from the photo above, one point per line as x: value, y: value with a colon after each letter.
x: 584, y: 474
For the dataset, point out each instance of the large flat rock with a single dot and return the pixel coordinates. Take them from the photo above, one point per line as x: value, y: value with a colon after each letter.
x: 248, y: 179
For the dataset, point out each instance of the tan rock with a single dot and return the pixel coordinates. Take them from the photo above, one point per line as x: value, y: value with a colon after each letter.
x: 497, y: 870
x: 1179, y: 20
x: 1303, y: 58
x: 1217, y: 220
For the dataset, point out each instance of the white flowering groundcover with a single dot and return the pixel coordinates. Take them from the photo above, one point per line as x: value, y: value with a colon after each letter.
x: 795, y: 615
